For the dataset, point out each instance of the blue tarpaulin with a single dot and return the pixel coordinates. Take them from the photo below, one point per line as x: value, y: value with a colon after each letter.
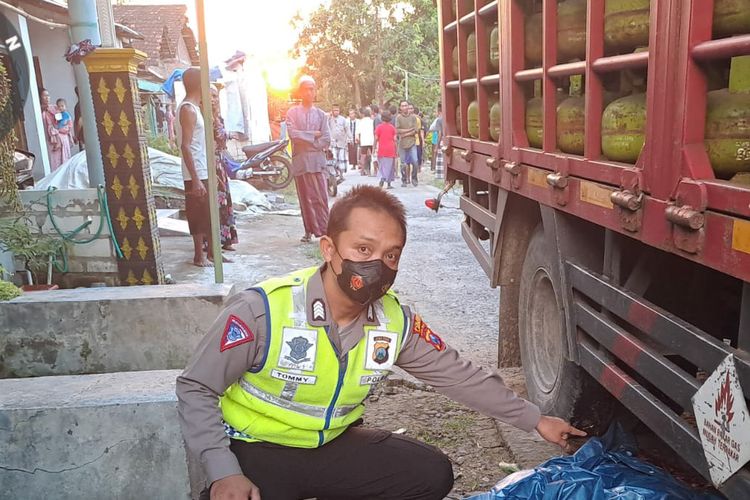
x: 602, y: 469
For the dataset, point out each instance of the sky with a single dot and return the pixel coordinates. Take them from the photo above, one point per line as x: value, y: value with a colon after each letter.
x: 260, y: 28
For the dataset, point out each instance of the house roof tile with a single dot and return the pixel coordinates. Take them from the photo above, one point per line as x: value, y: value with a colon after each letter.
x: 162, y: 26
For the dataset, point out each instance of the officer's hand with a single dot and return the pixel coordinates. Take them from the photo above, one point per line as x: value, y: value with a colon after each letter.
x: 556, y: 430
x: 236, y: 487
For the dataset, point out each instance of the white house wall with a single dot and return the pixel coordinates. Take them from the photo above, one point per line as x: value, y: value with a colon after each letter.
x: 50, y: 45
x: 33, y: 123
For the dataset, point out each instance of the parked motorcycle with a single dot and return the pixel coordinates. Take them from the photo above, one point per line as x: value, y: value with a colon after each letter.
x: 335, y: 175
x: 267, y: 162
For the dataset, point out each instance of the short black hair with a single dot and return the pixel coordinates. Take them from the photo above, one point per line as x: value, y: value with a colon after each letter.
x: 403, y: 101
x: 192, y: 79
x: 394, y: 110
x: 60, y: 100
x: 363, y: 196
x: 386, y: 116
x: 375, y: 108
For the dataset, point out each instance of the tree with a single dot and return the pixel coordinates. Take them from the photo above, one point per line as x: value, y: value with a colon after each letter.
x: 353, y: 49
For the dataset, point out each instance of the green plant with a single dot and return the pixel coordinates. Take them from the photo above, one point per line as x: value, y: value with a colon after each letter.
x: 161, y: 143
x: 8, y: 186
x: 8, y: 291
x: 34, y: 248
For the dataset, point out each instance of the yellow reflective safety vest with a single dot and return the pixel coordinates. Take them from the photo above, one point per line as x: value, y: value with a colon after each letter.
x: 304, y: 394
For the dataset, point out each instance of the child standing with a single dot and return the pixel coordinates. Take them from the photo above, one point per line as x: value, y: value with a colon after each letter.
x: 385, y: 143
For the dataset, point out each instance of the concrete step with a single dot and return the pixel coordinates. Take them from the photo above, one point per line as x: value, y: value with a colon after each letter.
x: 111, y: 329
x: 87, y: 437
x: 170, y: 224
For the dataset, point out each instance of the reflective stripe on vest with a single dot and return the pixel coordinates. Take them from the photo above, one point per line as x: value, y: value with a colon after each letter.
x: 312, y: 411
x: 306, y: 394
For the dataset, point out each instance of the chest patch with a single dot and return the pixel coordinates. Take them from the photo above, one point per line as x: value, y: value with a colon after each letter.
x: 381, y: 347
x: 298, y: 349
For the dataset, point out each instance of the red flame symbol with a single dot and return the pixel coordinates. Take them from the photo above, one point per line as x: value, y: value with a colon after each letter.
x: 725, y: 399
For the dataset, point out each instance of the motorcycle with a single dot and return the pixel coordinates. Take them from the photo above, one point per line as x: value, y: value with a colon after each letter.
x: 335, y: 176
x: 267, y: 162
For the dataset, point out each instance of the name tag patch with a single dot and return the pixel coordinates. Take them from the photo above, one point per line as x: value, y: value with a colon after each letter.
x: 380, y: 350
x: 298, y: 349
x: 371, y: 379
x: 294, y: 377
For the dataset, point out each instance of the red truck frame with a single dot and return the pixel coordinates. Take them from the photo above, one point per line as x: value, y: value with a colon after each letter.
x: 607, y: 223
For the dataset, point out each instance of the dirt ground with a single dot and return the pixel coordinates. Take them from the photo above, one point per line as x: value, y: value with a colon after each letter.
x: 439, y: 278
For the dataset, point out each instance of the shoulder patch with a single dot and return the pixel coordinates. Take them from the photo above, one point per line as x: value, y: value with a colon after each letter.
x: 236, y: 332
x: 424, y: 332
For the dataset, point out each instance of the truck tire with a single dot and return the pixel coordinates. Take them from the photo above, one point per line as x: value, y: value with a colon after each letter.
x: 558, y: 386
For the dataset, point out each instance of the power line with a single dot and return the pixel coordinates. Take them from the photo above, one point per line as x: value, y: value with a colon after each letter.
x: 417, y: 75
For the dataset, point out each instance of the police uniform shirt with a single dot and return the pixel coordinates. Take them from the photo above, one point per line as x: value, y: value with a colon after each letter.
x: 212, y: 370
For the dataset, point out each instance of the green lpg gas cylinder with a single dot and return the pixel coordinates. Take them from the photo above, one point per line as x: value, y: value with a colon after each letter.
x: 626, y: 24
x: 454, y: 61
x: 471, y: 54
x: 472, y: 119
x: 571, y: 125
x: 495, y: 119
x: 728, y: 122
x: 624, y: 128
x: 571, y: 30
x: 731, y: 17
x: 458, y: 119
x: 533, y: 40
x: 534, y: 122
x: 495, y: 48
x: 571, y: 122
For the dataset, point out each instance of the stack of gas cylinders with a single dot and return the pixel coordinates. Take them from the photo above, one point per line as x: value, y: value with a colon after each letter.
x: 626, y: 29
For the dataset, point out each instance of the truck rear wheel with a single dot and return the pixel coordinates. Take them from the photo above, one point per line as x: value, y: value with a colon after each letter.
x: 558, y: 386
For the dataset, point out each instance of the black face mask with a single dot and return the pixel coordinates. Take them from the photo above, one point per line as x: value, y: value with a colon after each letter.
x: 364, y: 282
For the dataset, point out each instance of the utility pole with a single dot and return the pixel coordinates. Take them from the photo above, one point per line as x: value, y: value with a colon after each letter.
x: 84, y: 24
x: 208, y: 120
x: 406, y: 81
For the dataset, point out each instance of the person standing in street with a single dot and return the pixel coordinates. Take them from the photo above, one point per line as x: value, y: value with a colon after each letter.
x: 413, y: 110
x: 365, y: 140
x: 406, y: 126
x: 227, y: 220
x: 337, y: 127
x: 437, y: 135
x: 376, y: 120
x: 351, y: 139
x: 385, y: 144
x: 191, y: 139
x: 272, y: 400
x: 307, y: 126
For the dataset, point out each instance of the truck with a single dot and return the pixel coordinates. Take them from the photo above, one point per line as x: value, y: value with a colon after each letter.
x: 603, y: 149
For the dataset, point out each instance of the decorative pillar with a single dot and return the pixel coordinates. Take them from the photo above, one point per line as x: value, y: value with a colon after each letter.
x: 127, y: 173
x: 106, y: 23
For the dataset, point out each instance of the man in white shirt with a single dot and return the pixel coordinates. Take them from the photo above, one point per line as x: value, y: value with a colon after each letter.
x: 365, y: 138
x: 191, y: 137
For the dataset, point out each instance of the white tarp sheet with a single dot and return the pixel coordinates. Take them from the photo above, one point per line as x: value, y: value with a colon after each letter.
x: 165, y: 171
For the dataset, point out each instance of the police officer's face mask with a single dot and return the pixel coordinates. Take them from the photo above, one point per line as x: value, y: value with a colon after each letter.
x: 366, y: 281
